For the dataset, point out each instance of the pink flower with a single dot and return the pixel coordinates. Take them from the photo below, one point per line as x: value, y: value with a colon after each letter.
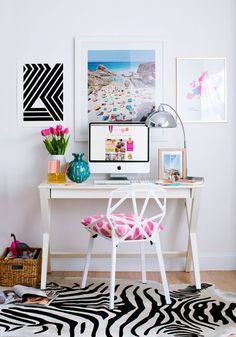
x: 53, y: 131
x: 45, y: 132
x: 66, y: 130
x: 59, y: 128
x: 58, y: 144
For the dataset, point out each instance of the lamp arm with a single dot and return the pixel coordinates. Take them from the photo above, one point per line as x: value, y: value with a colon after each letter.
x: 185, y: 145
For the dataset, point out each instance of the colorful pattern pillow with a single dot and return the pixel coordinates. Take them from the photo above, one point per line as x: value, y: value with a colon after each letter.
x: 103, y: 228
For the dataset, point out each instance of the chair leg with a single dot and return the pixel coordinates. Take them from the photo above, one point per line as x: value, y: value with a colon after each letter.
x: 112, y: 277
x: 162, y: 270
x: 87, y: 263
x: 143, y: 263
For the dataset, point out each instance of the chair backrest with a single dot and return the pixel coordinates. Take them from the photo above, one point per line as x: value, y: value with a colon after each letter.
x: 137, y: 215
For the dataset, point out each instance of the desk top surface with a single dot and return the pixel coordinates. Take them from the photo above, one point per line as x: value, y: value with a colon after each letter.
x: 89, y: 185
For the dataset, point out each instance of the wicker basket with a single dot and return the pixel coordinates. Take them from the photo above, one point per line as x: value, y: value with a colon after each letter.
x: 20, y: 271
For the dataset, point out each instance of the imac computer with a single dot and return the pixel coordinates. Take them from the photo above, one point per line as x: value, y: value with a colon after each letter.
x: 118, y: 148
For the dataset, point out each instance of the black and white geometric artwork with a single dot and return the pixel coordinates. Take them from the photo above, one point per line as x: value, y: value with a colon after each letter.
x: 41, y: 93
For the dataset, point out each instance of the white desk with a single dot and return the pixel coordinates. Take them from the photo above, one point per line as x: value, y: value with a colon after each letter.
x: 191, y: 194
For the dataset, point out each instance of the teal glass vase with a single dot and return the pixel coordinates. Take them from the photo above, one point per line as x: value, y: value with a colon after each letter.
x: 78, y: 170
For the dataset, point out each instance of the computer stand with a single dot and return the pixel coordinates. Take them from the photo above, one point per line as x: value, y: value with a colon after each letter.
x: 118, y: 177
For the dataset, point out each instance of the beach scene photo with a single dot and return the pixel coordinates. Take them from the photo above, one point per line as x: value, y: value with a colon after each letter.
x: 121, y: 85
x: 172, y: 165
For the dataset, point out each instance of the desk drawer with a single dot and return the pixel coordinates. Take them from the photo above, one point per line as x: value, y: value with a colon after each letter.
x: 104, y: 193
x: 79, y: 194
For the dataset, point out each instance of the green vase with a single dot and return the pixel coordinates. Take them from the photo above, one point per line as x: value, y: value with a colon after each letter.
x: 78, y: 170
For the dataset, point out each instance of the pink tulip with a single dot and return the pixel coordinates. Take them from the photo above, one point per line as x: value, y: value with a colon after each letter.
x: 53, y: 131
x: 45, y: 132
x: 59, y: 127
x: 54, y: 140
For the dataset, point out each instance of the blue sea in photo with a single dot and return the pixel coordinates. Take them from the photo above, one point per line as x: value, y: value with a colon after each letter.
x: 115, y: 66
x: 172, y: 161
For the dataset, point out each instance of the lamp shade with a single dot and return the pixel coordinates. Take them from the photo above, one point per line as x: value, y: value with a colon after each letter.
x: 164, y: 119
x: 161, y: 119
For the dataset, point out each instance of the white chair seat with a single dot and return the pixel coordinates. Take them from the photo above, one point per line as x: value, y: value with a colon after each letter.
x: 99, y: 224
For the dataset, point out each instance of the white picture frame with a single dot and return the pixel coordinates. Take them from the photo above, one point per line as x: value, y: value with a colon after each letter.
x: 171, y: 161
x: 85, y: 48
x: 202, y: 89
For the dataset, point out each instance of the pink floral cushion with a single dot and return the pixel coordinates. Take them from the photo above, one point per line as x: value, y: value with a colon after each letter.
x: 103, y: 228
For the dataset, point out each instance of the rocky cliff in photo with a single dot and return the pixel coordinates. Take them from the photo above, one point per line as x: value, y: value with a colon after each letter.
x: 99, y: 78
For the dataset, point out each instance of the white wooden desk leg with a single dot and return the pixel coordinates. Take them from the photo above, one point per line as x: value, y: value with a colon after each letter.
x: 188, y: 205
x: 45, y: 254
x: 49, y: 259
x: 45, y: 204
x: 192, y: 207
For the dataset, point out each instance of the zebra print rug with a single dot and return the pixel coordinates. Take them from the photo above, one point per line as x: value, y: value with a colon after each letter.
x: 140, y: 310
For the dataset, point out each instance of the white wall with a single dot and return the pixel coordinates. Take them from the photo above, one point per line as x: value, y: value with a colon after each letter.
x: 43, y: 31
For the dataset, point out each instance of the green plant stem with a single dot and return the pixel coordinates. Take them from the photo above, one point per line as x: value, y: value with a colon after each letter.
x: 56, y: 145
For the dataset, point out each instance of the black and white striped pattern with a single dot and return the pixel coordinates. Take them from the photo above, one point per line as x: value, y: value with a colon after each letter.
x: 140, y: 310
x: 42, y: 92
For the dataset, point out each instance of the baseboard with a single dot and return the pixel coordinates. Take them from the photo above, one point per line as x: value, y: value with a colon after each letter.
x: 218, y: 262
x: 207, y: 262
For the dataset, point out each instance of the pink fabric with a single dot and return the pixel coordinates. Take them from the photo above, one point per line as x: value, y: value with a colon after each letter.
x: 103, y: 227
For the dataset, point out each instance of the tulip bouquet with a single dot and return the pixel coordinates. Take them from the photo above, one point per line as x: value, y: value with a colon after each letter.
x: 56, y: 139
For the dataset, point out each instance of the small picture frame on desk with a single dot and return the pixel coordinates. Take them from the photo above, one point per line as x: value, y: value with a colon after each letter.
x: 171, y: 164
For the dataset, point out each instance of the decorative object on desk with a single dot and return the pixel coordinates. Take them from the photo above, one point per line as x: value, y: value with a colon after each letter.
x: 172, y: 164
x: 192, y: 181
x: 58, y: 162
x: 78, y: 170
x: 201, y: 89
x: 188, y: 181
x: 57, y: 168
x: 164, y: 119
x: 56, y: 139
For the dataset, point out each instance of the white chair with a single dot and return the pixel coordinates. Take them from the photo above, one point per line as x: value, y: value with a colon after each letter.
x: 129, y: 227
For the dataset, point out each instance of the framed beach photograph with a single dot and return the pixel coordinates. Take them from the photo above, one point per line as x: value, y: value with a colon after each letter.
x: 171, y: 164
x: 201, y: 89
x: 116, y: 79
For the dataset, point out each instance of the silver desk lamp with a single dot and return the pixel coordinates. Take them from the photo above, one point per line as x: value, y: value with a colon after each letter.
x: 162, y: 118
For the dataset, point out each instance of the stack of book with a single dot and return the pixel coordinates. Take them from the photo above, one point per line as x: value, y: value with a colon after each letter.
x: 188, y: 181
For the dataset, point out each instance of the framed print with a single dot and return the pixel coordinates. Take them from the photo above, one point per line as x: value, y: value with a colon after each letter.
x: 171, y: 164
x: 40, y: 93
x: 116, y: 79
x: 201, y: 89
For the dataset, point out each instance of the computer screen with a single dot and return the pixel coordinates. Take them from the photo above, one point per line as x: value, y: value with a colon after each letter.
x: 118, y: 147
